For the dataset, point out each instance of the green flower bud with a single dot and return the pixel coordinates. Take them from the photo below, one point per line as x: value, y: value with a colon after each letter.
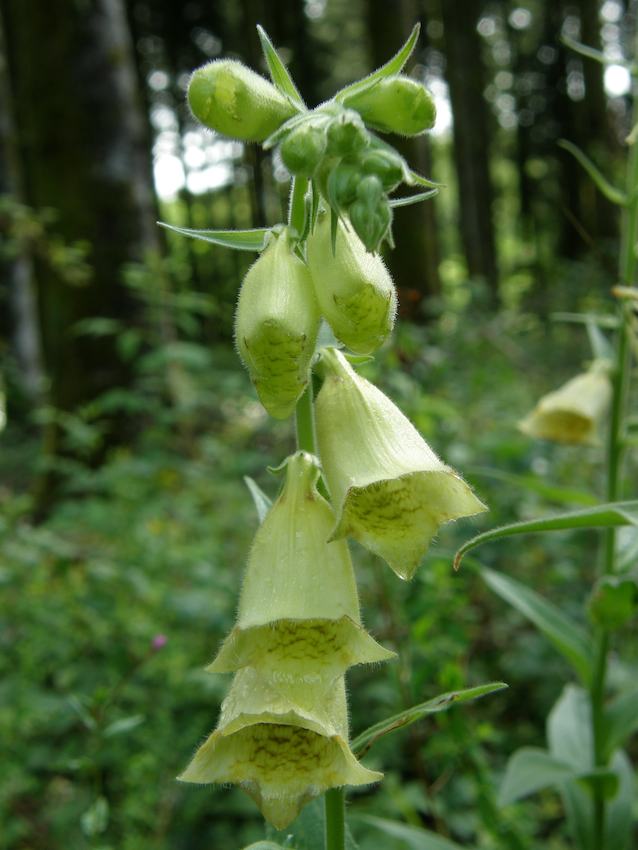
x: 354, y: 289
x: 342, y: 184
x: 396, y: 105
x: 283, y: 753
x: 298, y: 617
x: 385, y: 165
x: 276, y: 326
x: 230, y: 98
x: 303, y: 148
x: 574, y: 413
x: 346, y: 134
x: 390, y: 490
x: 371, y: 223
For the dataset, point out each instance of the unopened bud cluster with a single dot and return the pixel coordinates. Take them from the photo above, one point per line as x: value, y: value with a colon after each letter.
x: 282, y: 733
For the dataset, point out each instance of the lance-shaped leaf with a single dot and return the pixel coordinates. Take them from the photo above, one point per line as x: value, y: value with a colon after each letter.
x: 353, y: 287
x: 298, y: 617
x: 613, y: 194
x: 391, y: 68
x: 608, y: 515
x: 390, y: 491
x: 282, y: 751
x: 240, y: 240
x: 276, y: 325
x: 412, y: 837
x: 567, y: 637
x: 366, y: 739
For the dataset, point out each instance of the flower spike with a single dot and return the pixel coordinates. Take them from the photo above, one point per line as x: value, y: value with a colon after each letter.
x: 298, y: 617
x: 390, y: 490
x: 281, y: 752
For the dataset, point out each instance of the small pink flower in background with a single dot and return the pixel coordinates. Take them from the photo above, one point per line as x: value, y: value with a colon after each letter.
x: 158, y: 642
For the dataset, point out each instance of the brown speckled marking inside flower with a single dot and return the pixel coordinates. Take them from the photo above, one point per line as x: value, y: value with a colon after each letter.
x: 300, y: 650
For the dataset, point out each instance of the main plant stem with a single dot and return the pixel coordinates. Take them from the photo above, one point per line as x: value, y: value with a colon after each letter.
x: 335, y: 836
x: 615, y: 451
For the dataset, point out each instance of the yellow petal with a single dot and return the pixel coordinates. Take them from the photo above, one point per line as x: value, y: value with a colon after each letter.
x: 390, y: 490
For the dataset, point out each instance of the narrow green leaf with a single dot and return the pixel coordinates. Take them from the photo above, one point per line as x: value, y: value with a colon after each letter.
x: 413, y: 199
x: 414, y: 837
x: 566, y: 636
x: 282, y: 131
x: 621, y: 719
x: 608, y: 515
x: 278, y: 71
x: 365, y: 740
x: 390, y: 69
x: 240, y: 240
x: 262, y: 502
x: 601, y: 320
x: 569, y: 729
x: 611, y: 192
x: 530, y: 769
x: 601, y: 348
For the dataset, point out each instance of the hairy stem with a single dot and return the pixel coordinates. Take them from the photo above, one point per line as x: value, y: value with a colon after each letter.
x: 335, y: 819
x: 615, y: 451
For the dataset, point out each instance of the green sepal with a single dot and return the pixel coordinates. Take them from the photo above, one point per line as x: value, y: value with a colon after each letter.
x: 392, y: 67
x: 278, y: 72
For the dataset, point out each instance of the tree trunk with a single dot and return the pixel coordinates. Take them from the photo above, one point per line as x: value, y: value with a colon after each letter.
x: 465, y: 76
x: 81, y: 136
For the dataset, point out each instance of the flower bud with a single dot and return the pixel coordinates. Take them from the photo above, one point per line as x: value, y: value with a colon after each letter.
x: 370, y: 214
x: 346, y: 134
x: 342, y: 183
x: 298, y: 617
x: 230, y: 98
x: 354, y: 289
x: 276, y: 326
x: 575, y: 412
x: 282, y: 753
x: 390, y: 491
x: 384, y: 164
x: 395, y: 105
x: 303, y: 148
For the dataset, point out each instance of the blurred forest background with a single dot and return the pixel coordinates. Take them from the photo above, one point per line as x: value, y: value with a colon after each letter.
x: 127, y: 422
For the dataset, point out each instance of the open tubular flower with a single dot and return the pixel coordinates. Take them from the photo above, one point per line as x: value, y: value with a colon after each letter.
x: 276, y: 326
x: 575, y: 412
x: 281, y: 752
x: 354, y: 289
x: 395, y: 105
x: 390, y: 491
x: 228, y: 97
x: 298, y: 619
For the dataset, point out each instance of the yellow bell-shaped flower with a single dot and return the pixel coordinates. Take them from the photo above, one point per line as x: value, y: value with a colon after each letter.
x: 390, y: 491
x: 281, y: 751
x: 354, y: 289
x: 298, y: 618
x: 575, y: 412
x: 276, y: 325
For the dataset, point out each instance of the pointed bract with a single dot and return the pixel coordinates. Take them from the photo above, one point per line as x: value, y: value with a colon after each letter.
x: 353, y: 287
x: 390, y: 491
x: 282, y: 752
x: 276, y: 325
x: 298, y: 618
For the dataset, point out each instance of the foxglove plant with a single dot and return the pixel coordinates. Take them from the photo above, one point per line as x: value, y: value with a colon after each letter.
x: 361, y: 469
